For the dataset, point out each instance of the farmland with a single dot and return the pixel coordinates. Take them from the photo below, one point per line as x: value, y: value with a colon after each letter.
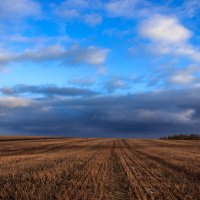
x: 84, y: 169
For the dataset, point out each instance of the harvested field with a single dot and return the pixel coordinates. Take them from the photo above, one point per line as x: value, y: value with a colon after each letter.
x: 84, y: 169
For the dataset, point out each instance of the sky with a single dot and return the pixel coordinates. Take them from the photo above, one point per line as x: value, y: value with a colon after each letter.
x: 115, y: 68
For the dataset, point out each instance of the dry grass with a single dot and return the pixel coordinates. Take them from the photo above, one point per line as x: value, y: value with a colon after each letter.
x: 73, y: 169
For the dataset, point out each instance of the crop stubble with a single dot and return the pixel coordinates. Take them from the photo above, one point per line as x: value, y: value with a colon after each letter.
x: 119, y: 169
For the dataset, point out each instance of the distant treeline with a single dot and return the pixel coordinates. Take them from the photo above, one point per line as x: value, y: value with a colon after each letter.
x: 182, y: 137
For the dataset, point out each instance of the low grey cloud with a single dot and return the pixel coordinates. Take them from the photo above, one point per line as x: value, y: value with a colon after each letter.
x: 47, y: 90
x: 150, y: 114
x: 15, y: 102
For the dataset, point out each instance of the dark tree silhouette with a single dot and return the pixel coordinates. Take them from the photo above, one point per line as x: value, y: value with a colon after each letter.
x: 183, y: 137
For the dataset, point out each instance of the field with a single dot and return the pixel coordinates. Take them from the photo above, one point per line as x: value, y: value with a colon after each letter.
x: 84, y: 169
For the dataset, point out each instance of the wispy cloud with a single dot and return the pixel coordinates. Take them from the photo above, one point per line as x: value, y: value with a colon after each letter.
x: 126, y: 8
x: 13, y: 9
x: 190, y: 7
x: 93, y: 19
x: 83, y: 81
x: 75, y: 55
x: 78, y: 10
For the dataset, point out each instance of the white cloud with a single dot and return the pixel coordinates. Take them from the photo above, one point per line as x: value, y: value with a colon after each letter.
x: 184, y: 76
x: 12, y: 9
x: 168, y: 36
x: 165, y: 30
x: 188, y: 50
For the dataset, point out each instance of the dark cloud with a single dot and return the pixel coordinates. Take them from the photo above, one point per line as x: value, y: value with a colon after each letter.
x: 47, y: 90
x: 152, y: 114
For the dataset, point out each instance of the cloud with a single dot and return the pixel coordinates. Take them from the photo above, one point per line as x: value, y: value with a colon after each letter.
x: 133, y: 9
x: 181, y: 117
x: 164, y: 29
x: 82, y: 10
x: 150, y: 114
x: 93, y: 19
x: 168, y: 36
x: 81, y: 4
x: 172, y: 75
x: 13, y: 9
x: 122, y: 8
x: 90, y: 55
x: 190, y: 7
x: 47, y: 90
x: 12, y: 102
x: 115, y: 83
x: 69, y: 14
x: 184, y: 76
x: 83, y: 81
x: 40, y: 41
x: 75, y: 55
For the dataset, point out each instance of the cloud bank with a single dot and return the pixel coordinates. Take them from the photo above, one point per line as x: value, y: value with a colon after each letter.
x: 162, y: 113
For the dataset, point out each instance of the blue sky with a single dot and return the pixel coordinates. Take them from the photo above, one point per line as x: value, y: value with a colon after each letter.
x: 99, y: 68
